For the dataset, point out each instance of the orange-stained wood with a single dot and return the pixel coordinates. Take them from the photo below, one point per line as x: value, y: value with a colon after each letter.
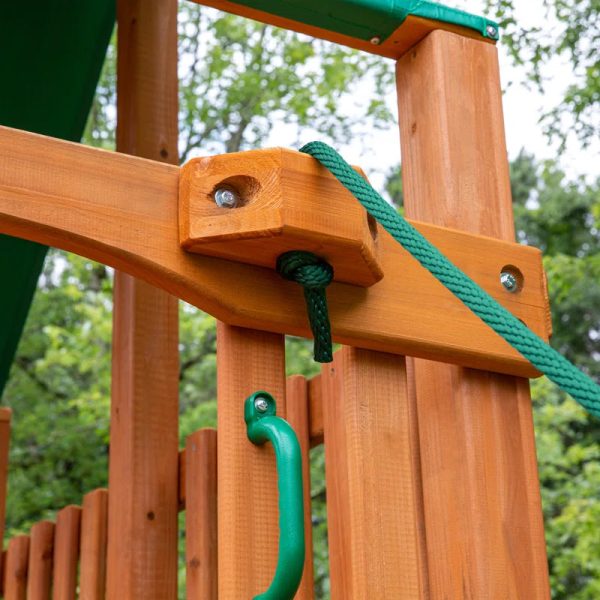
x: 297, y: 416
x: 15, y: 568
x: 373, y: 503
x: 201, y: 515
x: 110, y: 207
x: 413, y: 30
x: 94, y: 530
x: 5, y: 414
x: 247, y: 361
x: 483, y: 515
x: 315, y: 410
x: 143, y: 499
x: 41, y: 552
x: 66, y: 553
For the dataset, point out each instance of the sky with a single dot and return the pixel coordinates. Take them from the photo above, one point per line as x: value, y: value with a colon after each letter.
x: 380, y: 150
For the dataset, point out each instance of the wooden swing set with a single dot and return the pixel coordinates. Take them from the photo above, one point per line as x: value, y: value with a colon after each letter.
x: 425, y: 413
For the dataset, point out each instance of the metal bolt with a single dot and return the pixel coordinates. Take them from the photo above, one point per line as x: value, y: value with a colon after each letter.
x: 509, y: 281
x: 492, y: 31
x: 375, y: 40
x: 261, y: 404
x: 226, y: 198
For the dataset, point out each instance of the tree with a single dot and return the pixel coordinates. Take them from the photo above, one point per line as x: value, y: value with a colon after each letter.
x: 567, y: 29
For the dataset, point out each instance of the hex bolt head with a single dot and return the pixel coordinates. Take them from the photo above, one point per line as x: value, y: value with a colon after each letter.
x: 261, y: 404
x: 376, y: 40
x: 491, y: 31
x: 509, y: 282
x: 226, y: 198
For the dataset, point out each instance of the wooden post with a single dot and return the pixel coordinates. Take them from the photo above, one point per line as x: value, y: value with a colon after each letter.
x: 94, y: 526
x: 15, y: 568
x: 373, y: 503
x: 482, y: 506
x: 201, y: 515
x: 41, y: 551
x: 66, y: 553
x: 248, y: 361
x: 143, y: 499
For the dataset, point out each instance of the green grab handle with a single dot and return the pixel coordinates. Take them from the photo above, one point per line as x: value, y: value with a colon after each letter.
x: 263, y: 426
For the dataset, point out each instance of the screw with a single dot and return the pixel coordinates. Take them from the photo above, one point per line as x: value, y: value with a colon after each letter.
x: 226, y: 198
x: 375, y: 40
x: 261, y: 404
x: 509, y: 281
x: 492, y: 31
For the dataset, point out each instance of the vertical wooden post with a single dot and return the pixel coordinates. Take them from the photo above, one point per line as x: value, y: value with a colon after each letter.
x: 66, y: 553
x: 482, y: 507
x: 94, y: 528
x: 41, y: 551
x: 5, y: 414
x: 143, y: 498
x: 248, y: 361
x: 15, y: 568
x: 373, y: 504
x: 201, y: 515
x: 298, y: 417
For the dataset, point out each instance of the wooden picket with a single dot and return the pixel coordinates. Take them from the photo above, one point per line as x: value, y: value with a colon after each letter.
x: 15, y: 568
x: 41, y: 553
x: 94, y: 532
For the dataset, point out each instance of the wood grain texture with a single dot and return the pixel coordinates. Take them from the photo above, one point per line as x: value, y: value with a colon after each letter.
x: 481, y: 494
x: 123, y: 211
x: 281, y: 209
x: 201, y: 515
x: 41, y: 553
x: 66, y: 553
x: 413, y: 30
x: 94, y: 533
x: 373, y: 508
x: 5, y: 415
x: 297, y: 416
x: 143, y: 477
x: 15, y: 568
x: 247, y: 361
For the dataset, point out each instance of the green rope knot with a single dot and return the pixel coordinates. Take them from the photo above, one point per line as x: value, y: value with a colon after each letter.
x: 314, y: 274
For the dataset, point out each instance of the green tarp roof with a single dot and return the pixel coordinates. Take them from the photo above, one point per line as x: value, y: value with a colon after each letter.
x: 51, y: 54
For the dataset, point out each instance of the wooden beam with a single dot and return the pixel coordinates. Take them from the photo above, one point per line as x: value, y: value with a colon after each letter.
x: 373, y: 505
x: 41, y: 552
x: 122, y: 211
x: 143, y: 477
x: 412, y: 31
x: 483, y: 517
x: 201, y: 515
x: 248, y: 361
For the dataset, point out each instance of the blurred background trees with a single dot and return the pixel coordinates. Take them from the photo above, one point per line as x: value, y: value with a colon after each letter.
x: 238, y: 79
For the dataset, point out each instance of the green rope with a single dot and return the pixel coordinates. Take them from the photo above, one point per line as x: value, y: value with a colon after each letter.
x: 520, y: 337
x: 314, y: 274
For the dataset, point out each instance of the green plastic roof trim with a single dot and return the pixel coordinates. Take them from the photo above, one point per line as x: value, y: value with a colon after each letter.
x: 52, y: 53
x: 368, y: 19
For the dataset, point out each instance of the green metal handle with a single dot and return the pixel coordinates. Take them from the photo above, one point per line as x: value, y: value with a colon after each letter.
x: 264, y: 426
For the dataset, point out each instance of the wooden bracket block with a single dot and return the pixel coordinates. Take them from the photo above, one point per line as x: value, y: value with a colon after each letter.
x: 285, y: 202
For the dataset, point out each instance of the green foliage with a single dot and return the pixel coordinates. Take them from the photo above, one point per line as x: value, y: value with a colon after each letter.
x: 566, y: 30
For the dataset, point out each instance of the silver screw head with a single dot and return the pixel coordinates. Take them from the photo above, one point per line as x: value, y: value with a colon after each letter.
x: 491, y: 31
x: 376, y: 40
x: 261, y: 404
x: 226, y: 198
x: 509, y: 281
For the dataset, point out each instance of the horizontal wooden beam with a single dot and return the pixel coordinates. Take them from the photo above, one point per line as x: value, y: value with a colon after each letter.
x: 123, y: 211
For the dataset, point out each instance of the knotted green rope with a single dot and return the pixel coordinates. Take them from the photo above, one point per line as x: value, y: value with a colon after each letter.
x: 542, y: 356
x: 314, y: 274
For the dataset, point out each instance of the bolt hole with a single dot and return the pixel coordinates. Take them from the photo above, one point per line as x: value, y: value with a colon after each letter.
x: 150, y: 516
x: 164, y: 153
x: 511, y: 279
x: 244, y: 187
x: 372, y: 223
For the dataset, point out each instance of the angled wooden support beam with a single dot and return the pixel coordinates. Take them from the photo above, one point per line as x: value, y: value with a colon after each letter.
x: 123, y: 211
